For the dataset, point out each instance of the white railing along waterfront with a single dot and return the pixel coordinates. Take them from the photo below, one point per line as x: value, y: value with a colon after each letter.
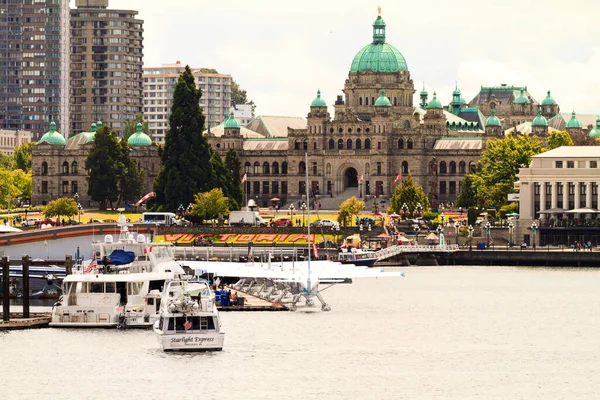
x: 398, y: 249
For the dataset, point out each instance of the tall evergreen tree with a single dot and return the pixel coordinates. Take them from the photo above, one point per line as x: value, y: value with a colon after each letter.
x: 132, y: 179
x: 105, y: 167
x: 186, y: 168
x: 234, y: 165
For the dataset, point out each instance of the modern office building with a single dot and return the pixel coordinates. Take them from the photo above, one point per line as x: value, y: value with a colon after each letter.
x: 106, y: 65
x: 159, y: 84
x: 34, y: 64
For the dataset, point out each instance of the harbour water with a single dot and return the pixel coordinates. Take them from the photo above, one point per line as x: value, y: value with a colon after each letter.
x: 440, y: 333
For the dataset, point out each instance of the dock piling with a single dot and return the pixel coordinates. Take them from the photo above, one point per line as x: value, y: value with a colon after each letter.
x: 6, y: 287
x: 69, y: 264
x: 25, y: 263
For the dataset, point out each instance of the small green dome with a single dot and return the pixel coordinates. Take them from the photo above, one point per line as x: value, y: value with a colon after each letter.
x: 434, y: 103
x: 379, y: 56
x: 539, y: 120
x: 231, y: 122
x: 493, y: 120
x: 573, y: 122
x: 99, y: 125
x: 53, y: 137
x: 521, y: 98
x: 318, y: 101
x: 382, y: 101
x: 139, y: 138
x: 91, y: 135
x: 424, y: 92
x: 549, y: 100
x: 595, y: 133
x: 456, y: 92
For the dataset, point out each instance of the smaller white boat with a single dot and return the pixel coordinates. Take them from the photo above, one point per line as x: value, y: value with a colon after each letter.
x: 358, y: 257
x: 188, y: 318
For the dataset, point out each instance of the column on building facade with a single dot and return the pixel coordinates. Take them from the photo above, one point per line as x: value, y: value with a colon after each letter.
x: 542, y: 199
x: 554, y: 200
x: 588, y: 194
x: 577, y: 196
x: 565, y: 195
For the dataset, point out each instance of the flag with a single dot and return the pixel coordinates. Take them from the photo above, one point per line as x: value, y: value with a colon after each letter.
x: 315, y: 251
x: 187, y: 325
x: 399, y: 177
x: 146, y: 197
x: 147, y: 249
x: 244, y: 177
x: 90, y: 267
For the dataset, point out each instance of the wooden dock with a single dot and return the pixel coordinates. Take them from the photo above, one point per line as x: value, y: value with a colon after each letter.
x: 18, y: 322
x: 252, y: 303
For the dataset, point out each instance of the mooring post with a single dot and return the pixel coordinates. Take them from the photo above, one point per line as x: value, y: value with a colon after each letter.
x: 6, y: 288
x: 25, y: 262
x: 69, y: 264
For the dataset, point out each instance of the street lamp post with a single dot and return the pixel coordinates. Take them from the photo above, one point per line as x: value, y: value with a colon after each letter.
x: 534, y: 227
x: 79, y: 208
x: 417, y: 230
x: 292, y: 213
x: 487, y: 232
x: 470, y: 237
x: 510, y: 233
x: 303, y: 207
x: 439, y: 232
x: 456, y: 226
x: 404, y: 210
x: 180, y: 210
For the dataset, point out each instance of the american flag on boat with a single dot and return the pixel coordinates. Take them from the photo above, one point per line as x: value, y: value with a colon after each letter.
x: 90, y: 267
x: 187, y: 325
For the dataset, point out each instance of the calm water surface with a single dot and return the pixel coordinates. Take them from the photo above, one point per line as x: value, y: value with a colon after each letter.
x: 440, y: 333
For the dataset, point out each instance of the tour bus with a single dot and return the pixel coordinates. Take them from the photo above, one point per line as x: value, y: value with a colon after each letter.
x: 162, y: 218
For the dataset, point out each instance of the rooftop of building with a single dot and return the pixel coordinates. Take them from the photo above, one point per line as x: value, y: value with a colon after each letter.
x: 571, y: 152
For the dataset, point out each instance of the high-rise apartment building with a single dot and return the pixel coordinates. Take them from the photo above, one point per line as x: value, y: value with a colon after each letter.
x: 106, y: 65
x: 34, y: 65
x: 159, y: 85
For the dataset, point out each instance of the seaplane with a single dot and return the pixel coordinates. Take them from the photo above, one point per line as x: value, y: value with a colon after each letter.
x: 303, y: 279
x: 44, y: 281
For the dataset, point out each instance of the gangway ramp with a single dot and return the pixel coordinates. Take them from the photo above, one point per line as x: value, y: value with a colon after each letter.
x: 395, y: 250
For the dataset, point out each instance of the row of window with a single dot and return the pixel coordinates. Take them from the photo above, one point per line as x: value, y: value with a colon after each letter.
x: 66, y: 188
x: 267, y: 187
x: 580, y: 164
x: 65, y: 168
x: 571, y: 188
x: 450, y: 168
x: 266, y: 168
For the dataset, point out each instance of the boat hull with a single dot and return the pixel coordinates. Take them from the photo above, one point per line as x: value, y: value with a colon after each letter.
x: 190, y: 341
x: 369, y: 262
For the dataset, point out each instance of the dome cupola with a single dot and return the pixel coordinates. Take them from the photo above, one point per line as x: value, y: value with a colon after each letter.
x: 539, y: 120
x: 573, y: 122
x: 521, y: 98
x: 53, y: 137
x: 230, y: 122
x: 493, y: 120
x: 318, y: 101
x: 549, y: 100
x: 139, y: 138
x: 595, y: 133
x: 434, y: 103
x: 382, y: 101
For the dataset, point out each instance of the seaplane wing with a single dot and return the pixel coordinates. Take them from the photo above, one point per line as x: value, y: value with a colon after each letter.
x: 241, y: 270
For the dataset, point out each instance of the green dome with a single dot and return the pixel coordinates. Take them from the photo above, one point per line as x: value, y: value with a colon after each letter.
x: 434, y: 103
x: 318, y: 101
x: 595, y: 133
x: 382, y: 101
x: 549, y: 100
x: 91, y: 135
x: 231, y: 122
x: 53, y: 137
x: 522, y: 99
x: 379, y: 56
x: 424, y: 92
x: 539, y: 120
x: 139, y: 138
x: 573, y: 122
x: 493, y: 120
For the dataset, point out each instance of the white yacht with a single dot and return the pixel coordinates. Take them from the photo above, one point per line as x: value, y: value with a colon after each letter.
x: 188, y: 318
x: 120, y: 287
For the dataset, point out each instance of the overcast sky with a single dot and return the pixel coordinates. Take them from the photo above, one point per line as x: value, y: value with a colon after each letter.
x: 281, y: 52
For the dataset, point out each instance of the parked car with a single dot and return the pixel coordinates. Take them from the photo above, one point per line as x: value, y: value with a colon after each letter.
x: 47, y: 221
x: 181, y: 222
x: 282, y: 222
x: 31, y: 222
x: 325, y: 223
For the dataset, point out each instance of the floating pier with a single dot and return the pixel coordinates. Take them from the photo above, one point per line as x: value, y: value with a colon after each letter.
x: 17, y: 321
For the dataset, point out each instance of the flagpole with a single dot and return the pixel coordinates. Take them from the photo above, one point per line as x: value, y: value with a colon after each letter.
x: 309, y: 288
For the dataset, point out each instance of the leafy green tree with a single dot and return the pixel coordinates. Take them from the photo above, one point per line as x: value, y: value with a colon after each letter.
x: 557, y: 139
x: 208, y: 71
x: 410, y: 193
x: 131, y: 126
x: 64, y: 206
x: 234, y: 165
x: 9, y: 192
x: 22, y: 156
x: 224, y: 179
x: 186, y: 168
x: 240, y: 96
x: 348, y: 209
x: 468, y: 193
x: 498, y: 167
x: 6, y: 161
x: 209, y: 205
x: 131, y: 180
x: 105, y: 167
x: 23, y: 182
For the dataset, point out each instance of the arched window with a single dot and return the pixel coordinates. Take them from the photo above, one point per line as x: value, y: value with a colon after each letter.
x: 305, y: 145
x: 275, y: 168
x: 366, y: 101
x: 74, y: 168
x: 256, y: 167
x: 367, y: 144
x: 472, y: 166
x: 372, y: 100
x: 395, y: 101
x: 409, y: 144
x: 266, y: 168
x: 297, y: 145
x: 340, y: 144
x: 328, y: 169
x: 349, y: 144
x: 301, y: 167
x: 247, y: 167
x: 284, y: 168
x: 404, y: 167
x: 314, y: 145
x: 443, y: 169
x: 462, y: 167
x: 331, y: 144
x: 452, y: 167
x: 65, y: 168
x: 44, y: 168
x: 406, y: 124
x: 360, y: 101
x: 400, y: 143
x: 358, y: 144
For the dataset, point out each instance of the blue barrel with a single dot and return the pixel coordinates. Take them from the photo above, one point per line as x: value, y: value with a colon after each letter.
x: 217, y: 297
